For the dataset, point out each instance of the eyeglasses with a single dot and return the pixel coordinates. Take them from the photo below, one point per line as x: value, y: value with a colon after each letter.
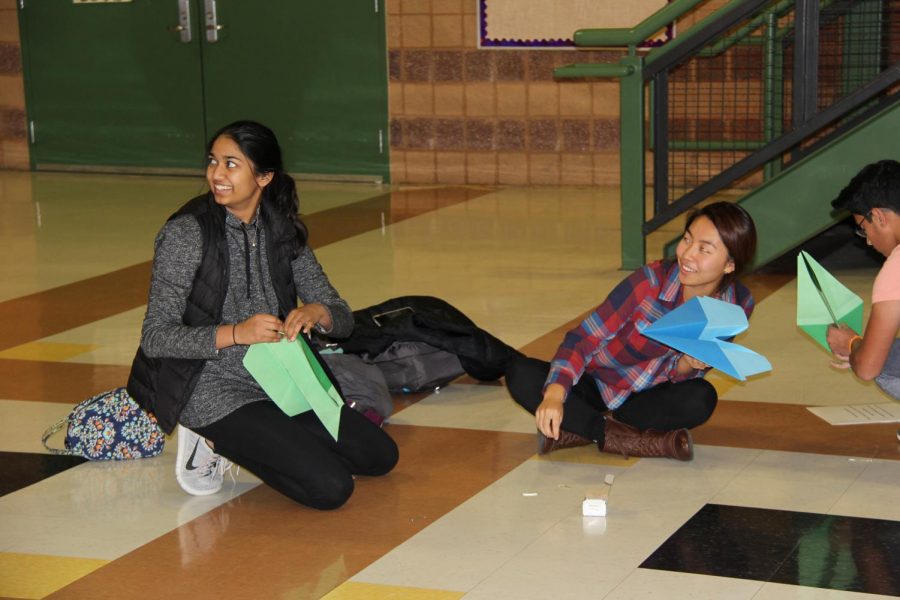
x: 859, y: 228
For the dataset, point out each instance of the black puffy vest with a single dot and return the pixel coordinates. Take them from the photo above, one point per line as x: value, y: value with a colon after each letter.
x: 164, y: 385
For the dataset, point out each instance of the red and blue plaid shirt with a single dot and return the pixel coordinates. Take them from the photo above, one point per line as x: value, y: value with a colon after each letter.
x: 608, y: 344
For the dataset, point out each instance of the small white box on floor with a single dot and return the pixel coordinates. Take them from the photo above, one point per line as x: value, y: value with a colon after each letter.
x: 593, y: 507
x: 594, y: 504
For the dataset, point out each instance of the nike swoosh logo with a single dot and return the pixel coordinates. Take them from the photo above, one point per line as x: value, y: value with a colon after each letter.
x: 190, y: 463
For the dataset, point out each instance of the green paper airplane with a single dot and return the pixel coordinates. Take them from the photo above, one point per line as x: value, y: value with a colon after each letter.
x: 822, y: 300
x: 292, y: 377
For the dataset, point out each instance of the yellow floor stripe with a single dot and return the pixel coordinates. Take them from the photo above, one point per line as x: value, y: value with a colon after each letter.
x: 47, y: 351
x: 352, y: 590
x: 36, y: 576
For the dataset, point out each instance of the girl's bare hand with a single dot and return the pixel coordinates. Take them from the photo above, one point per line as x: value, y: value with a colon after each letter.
x: 258, y: 328
x: 305, y: 318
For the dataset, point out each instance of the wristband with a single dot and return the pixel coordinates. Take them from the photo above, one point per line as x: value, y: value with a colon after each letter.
x: 850, y: 344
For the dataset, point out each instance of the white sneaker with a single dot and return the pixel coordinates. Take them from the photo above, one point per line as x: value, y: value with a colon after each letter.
x: 198, y: 469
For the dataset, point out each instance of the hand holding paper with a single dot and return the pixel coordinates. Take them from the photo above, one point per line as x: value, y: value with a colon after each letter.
x: 292, y: 377
x: 697, y: 328
x: 822, y: 301
x: 694, y: 363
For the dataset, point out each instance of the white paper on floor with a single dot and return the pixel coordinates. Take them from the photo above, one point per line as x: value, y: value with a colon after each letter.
x: 858, y: 414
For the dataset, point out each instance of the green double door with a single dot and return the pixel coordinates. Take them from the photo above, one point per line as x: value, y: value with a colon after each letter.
x: 140, y: 84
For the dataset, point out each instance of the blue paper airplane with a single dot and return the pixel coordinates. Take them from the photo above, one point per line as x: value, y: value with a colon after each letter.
x: 698, y: 327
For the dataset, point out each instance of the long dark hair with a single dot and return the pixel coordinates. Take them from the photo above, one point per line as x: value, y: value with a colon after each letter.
x: 259, y: 144
x: 738, y: 233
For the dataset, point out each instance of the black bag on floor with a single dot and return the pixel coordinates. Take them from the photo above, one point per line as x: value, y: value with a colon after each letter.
x: 362, y: 384
x: 434, y: 322
x: 415, y: 366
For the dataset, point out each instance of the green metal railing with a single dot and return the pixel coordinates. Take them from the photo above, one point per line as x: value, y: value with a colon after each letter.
x: 631, y: 38
x: 630, y: 71
x: 785, y: 34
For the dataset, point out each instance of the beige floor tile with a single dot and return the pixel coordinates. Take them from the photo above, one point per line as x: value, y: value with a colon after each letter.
x: 71, y: 513
x: 644, y: 583
x: 468, y: 406
x: 110, y: 341
x: 793, y: 481
x: 780, y: 591
x: 23, y: 423
x: 800, y: 368
x: 454, y: 518
x: 496, y: 258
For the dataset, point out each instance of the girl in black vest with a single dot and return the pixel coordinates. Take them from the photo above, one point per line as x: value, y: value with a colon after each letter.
x: 228, y: 268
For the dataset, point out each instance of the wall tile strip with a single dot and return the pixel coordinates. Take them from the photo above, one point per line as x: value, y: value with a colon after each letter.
x: 498, y: 116
x: 489, y: 116
x: 13, y: 143
x: 478, y: 116
x: 10, y: 58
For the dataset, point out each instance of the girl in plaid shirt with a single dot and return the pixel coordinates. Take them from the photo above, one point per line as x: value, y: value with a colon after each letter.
x: 610, y: 385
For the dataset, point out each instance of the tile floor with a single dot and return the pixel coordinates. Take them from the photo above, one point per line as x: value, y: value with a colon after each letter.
x: 470, y: 512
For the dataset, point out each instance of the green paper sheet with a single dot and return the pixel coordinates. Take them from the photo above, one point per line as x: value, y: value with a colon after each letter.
x: 822, y: 300
x: 293, y: 378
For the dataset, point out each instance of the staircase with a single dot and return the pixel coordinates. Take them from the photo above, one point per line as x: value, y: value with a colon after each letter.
x: 775, y: 104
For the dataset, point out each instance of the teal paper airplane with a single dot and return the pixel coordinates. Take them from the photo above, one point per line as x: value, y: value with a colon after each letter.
x: 697, y: 328
x: 822, y: 300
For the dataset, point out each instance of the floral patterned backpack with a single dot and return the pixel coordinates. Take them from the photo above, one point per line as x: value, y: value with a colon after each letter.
x: 109, y: 426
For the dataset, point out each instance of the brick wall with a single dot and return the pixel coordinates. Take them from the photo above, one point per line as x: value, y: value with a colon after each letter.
x: 13, y: 144
x: 460, y: 114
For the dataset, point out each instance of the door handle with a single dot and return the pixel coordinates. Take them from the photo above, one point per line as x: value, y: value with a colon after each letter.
x: 212, y: 22
x: 184, y: 22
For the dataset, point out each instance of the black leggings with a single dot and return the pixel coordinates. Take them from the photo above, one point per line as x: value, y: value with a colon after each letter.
x: 665, y: 407
x: 297, y: 456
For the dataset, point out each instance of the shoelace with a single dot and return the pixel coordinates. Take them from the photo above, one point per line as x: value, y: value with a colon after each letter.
x: 217, y: 465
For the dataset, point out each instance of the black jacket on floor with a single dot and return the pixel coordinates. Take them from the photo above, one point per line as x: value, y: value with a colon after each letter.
x: 435, y: 322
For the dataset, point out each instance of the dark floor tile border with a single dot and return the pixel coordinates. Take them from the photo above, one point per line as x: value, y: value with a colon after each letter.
x: 793, y: 428
x: 21, y: 469
x: 292, y: 548
x: 60, y: 382
x: 59, y: 309
x: 834, y: 552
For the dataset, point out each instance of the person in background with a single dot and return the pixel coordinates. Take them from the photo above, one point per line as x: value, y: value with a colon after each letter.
x: 873, y: 199
x: 228, y: 268
x: 610, y: 385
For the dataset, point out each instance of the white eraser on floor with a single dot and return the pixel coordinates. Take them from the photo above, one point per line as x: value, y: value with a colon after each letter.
x: 594, y: 504
x: 593, y: 507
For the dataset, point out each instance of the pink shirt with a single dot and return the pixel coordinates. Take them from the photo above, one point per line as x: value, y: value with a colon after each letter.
x: 887, y: 282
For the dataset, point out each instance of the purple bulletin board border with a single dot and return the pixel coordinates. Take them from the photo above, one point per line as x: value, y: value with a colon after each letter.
x: 487, y: 42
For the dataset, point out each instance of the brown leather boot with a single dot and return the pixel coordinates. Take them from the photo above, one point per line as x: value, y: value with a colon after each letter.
x: 630, y: 441
x: 566, y: 440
